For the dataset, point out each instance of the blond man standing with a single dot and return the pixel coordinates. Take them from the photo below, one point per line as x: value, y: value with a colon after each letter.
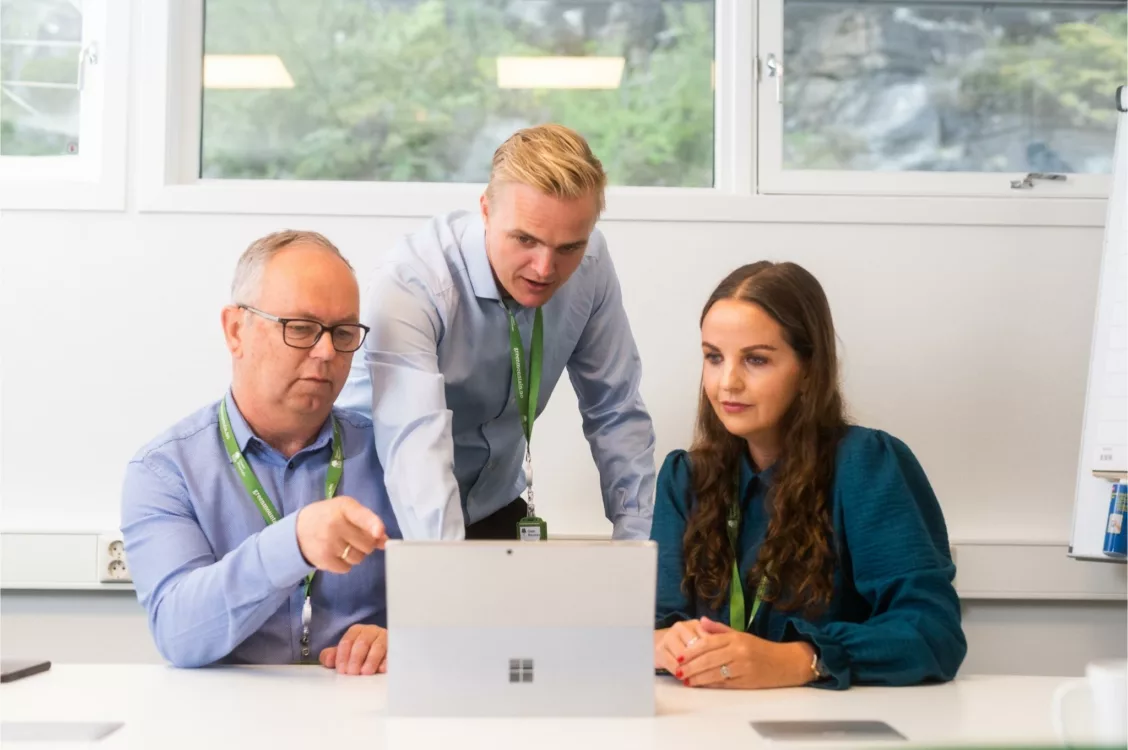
x: 474, y: 319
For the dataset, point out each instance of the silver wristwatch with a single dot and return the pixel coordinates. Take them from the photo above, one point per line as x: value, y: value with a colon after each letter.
x: 818, y: 666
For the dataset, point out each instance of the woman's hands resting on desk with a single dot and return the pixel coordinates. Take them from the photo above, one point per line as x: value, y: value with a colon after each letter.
x: 694, y: 651
x: 363, y: 650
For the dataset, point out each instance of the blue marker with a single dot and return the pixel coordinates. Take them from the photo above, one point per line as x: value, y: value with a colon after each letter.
x: 1116, y: 532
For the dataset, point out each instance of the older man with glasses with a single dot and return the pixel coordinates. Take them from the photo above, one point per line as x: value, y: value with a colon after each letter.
x: 255, y: 527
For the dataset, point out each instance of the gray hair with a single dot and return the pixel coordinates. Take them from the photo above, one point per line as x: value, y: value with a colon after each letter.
x: 247, y: 283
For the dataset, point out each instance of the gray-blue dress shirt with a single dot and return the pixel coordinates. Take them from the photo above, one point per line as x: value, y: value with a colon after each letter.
x: 435, y: 375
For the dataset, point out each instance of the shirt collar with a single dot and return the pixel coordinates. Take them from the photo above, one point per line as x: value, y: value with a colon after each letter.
x: 239, y: 427
x: 243, y: 433
x: 477, y: 261
x: 749, y: 474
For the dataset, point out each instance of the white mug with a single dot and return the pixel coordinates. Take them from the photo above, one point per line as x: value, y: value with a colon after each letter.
x: 1105, y: 688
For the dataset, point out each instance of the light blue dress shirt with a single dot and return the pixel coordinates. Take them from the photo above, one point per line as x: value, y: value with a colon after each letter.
x: 436, y: 376
x: 219, y: 585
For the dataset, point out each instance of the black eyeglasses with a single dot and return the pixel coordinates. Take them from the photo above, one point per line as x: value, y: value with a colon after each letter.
x: 301, y: 333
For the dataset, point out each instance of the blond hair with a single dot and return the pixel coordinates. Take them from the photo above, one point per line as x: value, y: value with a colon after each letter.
x: 247, y: 284
x: 551, y: 158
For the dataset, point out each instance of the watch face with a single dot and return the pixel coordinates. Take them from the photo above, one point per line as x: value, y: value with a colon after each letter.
x: 820, y: 669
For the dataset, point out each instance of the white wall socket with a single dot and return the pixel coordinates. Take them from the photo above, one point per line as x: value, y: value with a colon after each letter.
x: 112, y: 566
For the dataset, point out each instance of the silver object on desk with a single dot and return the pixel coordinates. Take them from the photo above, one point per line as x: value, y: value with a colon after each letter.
x: 525, y: 629
x: 826, y: 731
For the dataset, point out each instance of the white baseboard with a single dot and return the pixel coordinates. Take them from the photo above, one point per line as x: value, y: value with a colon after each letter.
x: 992, y: 570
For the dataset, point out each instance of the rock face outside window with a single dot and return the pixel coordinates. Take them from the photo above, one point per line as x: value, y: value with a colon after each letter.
x: 952, y: 88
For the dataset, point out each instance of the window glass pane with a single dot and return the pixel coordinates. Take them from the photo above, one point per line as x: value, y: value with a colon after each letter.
x: 40, y: 41
x: 952, y: 86
x: 425, y: 90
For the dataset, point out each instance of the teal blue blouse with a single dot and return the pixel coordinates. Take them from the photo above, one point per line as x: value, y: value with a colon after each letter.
x: 894, y: 616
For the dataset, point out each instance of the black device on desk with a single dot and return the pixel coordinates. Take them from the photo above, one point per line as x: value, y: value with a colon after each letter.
x: 13, y: 669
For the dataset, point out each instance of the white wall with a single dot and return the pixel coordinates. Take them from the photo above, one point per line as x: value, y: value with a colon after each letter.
x: 970, y: 343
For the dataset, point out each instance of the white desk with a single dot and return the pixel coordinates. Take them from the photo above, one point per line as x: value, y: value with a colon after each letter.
x: 312, y: 708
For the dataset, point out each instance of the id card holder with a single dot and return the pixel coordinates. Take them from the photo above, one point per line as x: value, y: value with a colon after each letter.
x: 532, y: 529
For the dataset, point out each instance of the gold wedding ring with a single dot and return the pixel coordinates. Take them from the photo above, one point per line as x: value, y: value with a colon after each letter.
x: 345, y: 554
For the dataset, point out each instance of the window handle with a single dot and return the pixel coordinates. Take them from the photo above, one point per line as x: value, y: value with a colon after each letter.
x: 1028, y: 180
x: 88, y: 55
x: 775, y: 70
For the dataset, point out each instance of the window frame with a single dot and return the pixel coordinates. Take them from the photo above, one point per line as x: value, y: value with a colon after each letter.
x: 95, y: 179
x: 777, y: 180
x: 170, y: 69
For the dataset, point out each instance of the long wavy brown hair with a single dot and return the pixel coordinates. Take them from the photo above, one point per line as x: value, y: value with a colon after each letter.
x: 797, y: 557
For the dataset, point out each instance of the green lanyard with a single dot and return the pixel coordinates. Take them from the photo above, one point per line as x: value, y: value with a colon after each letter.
x: 254, y: 486
x: 736, y: 586
x: 527, y: 386
x: 528, y: 389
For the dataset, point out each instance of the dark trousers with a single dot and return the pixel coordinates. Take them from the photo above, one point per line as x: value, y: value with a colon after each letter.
x: 501, y: 525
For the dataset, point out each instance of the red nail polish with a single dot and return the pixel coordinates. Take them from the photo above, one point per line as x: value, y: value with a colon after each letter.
x: 681, y: 659
x: 685, y: 682
x: 679, y: 674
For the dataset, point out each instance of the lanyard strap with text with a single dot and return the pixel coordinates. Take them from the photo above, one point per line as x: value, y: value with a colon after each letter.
x: 269, y: 513
x: 526, y: 384
x: 736, y: 586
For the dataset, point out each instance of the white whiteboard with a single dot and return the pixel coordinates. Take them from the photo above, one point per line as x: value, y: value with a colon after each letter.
x: 1104, y: 440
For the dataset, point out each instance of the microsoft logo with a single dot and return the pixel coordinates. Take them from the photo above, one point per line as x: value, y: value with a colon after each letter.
x: 520, y: 670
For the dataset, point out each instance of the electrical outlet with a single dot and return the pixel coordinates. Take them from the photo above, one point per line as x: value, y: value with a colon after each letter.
x: 112, y: 565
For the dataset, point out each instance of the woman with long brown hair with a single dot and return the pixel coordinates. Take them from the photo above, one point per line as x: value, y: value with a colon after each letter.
x: 794, y: 548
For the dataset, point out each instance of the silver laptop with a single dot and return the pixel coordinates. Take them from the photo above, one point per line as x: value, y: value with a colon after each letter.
x: 558, y: 628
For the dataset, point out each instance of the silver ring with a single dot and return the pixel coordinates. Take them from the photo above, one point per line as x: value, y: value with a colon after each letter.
x: 690, y: 642
x: 725, y: 672
x: 345, y: 554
